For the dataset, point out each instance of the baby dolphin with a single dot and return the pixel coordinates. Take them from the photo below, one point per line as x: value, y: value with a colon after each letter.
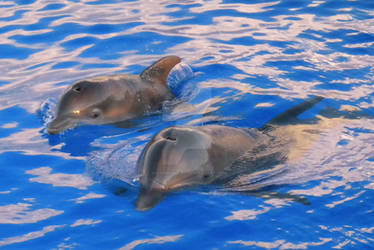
x: 181, y: 157
x: 111, y: 99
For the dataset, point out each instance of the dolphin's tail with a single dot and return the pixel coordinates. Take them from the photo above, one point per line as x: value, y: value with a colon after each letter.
x: 291, y: 114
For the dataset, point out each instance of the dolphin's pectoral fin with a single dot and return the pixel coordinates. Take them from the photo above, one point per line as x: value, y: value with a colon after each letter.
x: 291, y: 114
x: 159, y: 71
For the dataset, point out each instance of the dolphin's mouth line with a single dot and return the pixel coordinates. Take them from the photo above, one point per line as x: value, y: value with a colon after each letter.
x: 56, y: 126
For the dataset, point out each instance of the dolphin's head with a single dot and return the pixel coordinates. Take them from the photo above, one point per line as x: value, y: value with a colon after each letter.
x: 87, y: 101
x: 177, y: 157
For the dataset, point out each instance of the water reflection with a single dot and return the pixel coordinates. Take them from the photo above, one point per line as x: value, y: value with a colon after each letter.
x: 156, y: 240
x: 31, y: 142
x: 88, y: 196
x: 30, y: 236
x: 19, y: 214
x: 85, y: 222
x: 237, y: 37
x: 44, y: 175
x: 247, y: 214
x: 282, y: 244
x: 263, y: 53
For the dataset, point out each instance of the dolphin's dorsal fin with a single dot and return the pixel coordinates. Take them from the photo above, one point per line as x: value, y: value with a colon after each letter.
x: 159, y: 71
x: 291, y: 114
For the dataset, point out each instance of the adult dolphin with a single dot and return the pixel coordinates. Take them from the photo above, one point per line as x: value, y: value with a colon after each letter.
x: 111, y: 99
x: 182, y: 157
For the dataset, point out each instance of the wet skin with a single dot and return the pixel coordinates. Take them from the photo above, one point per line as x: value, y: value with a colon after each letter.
x: 185, y: 157
x: 111, y: 99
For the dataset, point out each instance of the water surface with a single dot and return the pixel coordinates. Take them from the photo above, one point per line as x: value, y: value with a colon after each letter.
x: 252, y: 61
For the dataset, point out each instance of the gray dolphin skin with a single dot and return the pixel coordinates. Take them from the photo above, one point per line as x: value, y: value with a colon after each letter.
x: 111, y: 99
x: 183, y: 157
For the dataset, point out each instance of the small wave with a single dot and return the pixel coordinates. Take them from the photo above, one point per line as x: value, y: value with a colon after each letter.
x: 177, y: 79
x: 115, y: 162
x: 47, y: 111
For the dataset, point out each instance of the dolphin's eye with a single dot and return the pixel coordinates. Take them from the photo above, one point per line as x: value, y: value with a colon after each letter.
x: 206, y: 176
x: 95, y: 113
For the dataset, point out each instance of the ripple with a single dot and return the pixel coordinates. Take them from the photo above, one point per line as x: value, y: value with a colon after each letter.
x: 220, y: 35
x: 85, y: 222
x: 44, y: 175
x: 156, y: 240
x: 282, y: 244
x: 116, y: 161
x: 31, y: 142
x: 19, y: 214
x: 253, y: 59
x: 29, y: 236
x: 89, y: 196
x: 246, y: 214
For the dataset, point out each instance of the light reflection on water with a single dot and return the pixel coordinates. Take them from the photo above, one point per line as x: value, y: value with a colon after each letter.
x: 19, y: 214
x: 252, y: 58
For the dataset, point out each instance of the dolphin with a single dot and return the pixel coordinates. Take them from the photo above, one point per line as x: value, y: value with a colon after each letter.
x: 116, y: 98
x: 182, y: 157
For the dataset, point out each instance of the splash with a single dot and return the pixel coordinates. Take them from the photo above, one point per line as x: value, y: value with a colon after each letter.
x: 177, y: 79
x: 47, y: 111
x: 115, y: 162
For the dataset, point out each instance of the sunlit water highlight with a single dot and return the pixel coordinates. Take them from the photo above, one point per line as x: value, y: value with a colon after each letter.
x: 243, y: 63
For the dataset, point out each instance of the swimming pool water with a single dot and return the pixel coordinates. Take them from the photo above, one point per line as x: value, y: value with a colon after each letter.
x: 251, y: 61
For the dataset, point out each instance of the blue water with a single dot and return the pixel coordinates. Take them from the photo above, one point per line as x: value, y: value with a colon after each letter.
x: 251, y: 60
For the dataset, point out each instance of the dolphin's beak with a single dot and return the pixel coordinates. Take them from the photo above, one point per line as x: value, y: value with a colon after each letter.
x: 59, y: 124
x: 147, y: 199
